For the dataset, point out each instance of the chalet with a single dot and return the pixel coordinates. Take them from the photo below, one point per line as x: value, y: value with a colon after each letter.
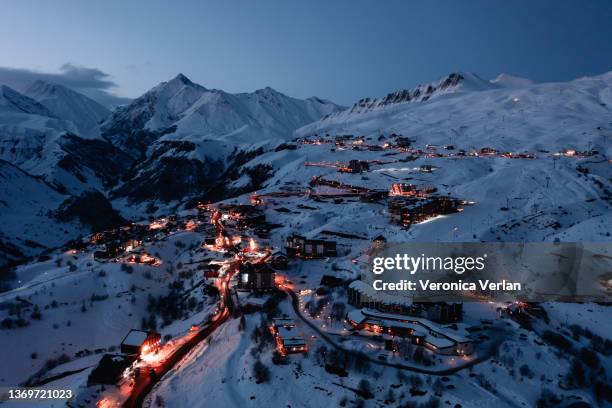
x: 137, y: 342
x: 288, y: 339
x: 298, y: 246
x: 438, y: 338
x: 255, y: 277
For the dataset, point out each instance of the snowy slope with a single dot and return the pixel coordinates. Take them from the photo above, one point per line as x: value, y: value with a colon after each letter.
x: 67, y: 104
x: 26, y: 126
x: 25, y: 206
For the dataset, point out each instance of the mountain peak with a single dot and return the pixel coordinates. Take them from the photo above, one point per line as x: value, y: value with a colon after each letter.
x: 40, y: 88
x: 182, y: 78
x: 511, y: 81
x: 451, y: 83
x: 17, y: 102
x: 66, y: 103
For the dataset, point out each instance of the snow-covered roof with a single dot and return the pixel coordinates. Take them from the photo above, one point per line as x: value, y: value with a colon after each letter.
x: 356, y: 316
x: 135, y: 338
x: 439, y: 342
x: 289, y: 334
x: 280, y: 322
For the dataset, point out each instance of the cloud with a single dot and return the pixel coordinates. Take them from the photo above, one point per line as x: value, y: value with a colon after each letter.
x: 89, y: 81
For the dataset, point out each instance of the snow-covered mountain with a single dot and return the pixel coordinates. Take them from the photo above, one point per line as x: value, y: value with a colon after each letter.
x: 506, y: 113
x: 67, y: 104
x: 27, y: 128
x: 176, y: 142
x: 185, y: 136
x: 14, y: 102
x: 548, y: 196
x: 183, y: 110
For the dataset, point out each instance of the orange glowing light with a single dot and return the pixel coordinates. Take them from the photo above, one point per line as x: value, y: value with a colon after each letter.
x: 252, y: 245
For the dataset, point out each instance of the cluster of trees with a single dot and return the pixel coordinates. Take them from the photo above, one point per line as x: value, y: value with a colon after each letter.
x: 586, y: 369
x: 261, y: 373
x: 587, y: 372
x: 337, y: 359
x: 314, y: 306
x: 17, y: 310
x: 170, y: 307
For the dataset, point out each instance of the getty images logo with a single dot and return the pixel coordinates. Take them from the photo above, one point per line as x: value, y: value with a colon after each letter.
x: 414, y: 264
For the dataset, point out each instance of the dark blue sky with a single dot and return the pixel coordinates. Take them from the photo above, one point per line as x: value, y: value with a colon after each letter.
x: 341, y: 50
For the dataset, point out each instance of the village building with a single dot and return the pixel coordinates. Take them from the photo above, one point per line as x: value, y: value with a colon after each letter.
x: 379, y: 243
x: 144, y: 259
x: 362, y: 295
x: 440, y: 339
x: 256, y: 277
x: 245, y: 216
x: 288, y: 339
x: 427, y: 168
x: 298, y: 246
x: 355, y: 166
x: 404, y: 142
x: 427, y: 208
x: 138, y: 342
x: 410, y: 190
x: 488, y: 151
x: 442, y: 312
x: 412, y: 210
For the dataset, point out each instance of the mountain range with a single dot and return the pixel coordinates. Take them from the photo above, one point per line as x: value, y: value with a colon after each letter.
x: 181, y: 142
